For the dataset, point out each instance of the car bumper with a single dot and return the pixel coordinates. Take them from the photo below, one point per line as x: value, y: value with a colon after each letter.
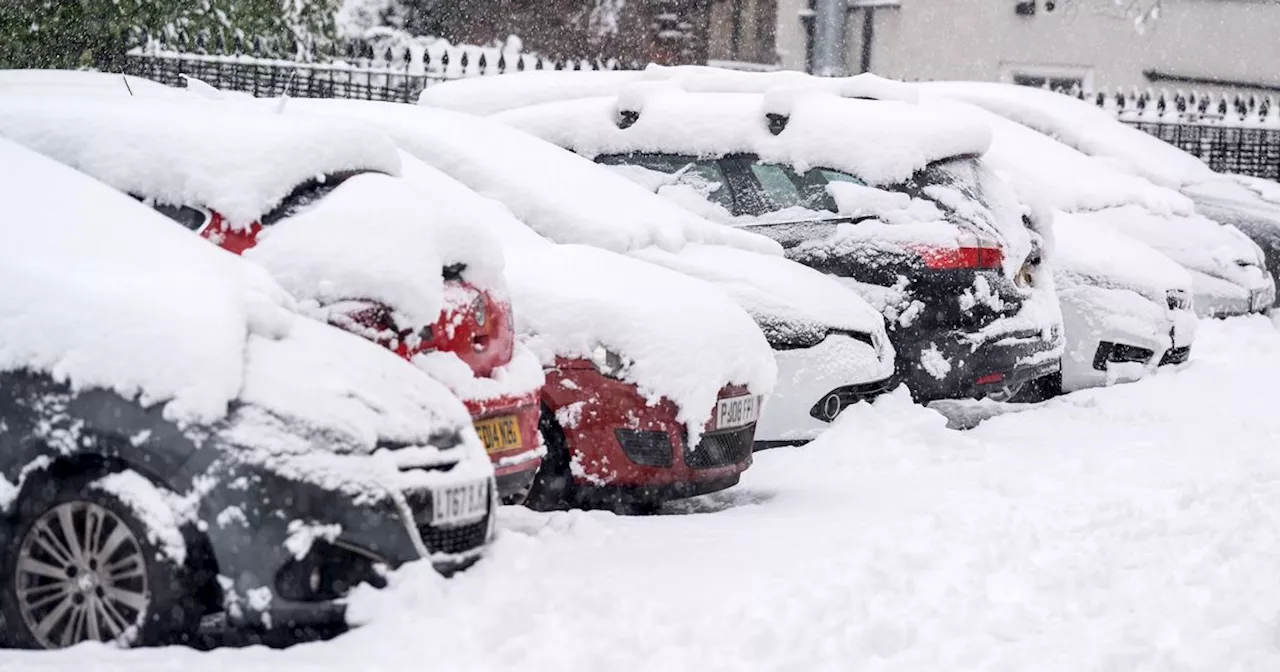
x: 839, y: 365
x: 622, y: 445
x: 1119, y: 336
x: 957, y: 365
x: 515, y: 465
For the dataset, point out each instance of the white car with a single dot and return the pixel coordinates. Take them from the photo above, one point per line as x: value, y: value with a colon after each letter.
x: 1227, y: 267
x: 831, y: 348
x: 1126, y: 307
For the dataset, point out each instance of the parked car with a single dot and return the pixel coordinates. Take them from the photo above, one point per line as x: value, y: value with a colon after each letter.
x: 315, y: 201
x: 888, y: 196
x: 655, y: 381
x: 177, y: 442
x: 830, y: 347
x: 1228, y: 271
x: 1126, y: 307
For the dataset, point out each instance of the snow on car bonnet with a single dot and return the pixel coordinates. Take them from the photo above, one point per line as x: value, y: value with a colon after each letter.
x: 685, y: 338
x: 236, y: 159
x: 1093, y: 253
x: 103, y: 292
x: 882, y: 142
x: 1083, y: 126
x: 562, y: 196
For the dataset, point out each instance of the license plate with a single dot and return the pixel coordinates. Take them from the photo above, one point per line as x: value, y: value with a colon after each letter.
x: 1258, y: 299
x: 499, y: 434
x: 459, y: 503
x: 737, y: 411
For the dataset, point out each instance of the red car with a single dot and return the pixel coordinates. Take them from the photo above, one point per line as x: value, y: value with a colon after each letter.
x: 214, y: 150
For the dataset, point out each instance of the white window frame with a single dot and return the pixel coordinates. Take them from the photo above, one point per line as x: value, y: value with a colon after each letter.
x: 1083, y: 73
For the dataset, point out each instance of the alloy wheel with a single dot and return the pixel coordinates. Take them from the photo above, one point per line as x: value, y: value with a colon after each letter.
x: 80, y: 575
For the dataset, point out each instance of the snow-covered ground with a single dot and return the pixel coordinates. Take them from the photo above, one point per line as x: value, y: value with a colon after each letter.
x: 1127, y: 528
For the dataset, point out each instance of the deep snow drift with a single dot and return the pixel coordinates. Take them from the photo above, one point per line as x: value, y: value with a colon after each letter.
x: 1126, y: 528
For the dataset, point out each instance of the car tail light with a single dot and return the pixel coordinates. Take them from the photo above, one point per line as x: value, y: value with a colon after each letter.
x: 989, y: 379
x: 967, y: 257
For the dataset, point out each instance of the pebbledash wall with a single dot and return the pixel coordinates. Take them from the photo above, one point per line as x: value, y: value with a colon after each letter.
x: 1215, y: 45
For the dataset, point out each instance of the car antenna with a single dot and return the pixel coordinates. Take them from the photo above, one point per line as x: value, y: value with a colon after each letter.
x: 126, y: 85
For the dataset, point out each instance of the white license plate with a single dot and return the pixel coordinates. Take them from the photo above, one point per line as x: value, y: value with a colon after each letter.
x: 737, y: 411
x: 459, y: 503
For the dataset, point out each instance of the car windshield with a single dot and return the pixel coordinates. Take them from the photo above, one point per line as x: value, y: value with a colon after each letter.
x: 306, y: 194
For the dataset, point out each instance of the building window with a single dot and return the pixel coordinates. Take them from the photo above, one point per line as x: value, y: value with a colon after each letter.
x: 1061, y: 78
x: 743, y: 31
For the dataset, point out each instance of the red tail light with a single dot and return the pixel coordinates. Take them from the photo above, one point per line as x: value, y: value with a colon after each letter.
x: 979, y: 258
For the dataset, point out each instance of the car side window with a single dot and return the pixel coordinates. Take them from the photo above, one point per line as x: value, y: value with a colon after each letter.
x: 703, y: 176
x: 776, y: 181
x: 192, y: 218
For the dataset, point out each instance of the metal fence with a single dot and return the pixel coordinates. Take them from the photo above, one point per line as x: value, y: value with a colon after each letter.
x: 1234, y: 133
x: 1231, y: 133
x: 391, y: 77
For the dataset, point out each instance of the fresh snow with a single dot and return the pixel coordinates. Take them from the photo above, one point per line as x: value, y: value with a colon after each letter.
x: 882, y: 142
x: 161, y: 522
x: 229, y: 157
x: 491, y: 95
x: 1121, y: 528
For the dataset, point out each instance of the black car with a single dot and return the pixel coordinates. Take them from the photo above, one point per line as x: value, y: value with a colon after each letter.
x: 961, y: 325
x: 176, y: 443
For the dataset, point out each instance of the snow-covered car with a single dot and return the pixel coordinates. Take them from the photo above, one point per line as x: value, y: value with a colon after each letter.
x: 315, y: 202
x: 654, y: 380
x: 81, y: 82
x: 831, y: 347
x: 887, y: 196
x: 1126, y: 307
x: 177, y: 442
x: 1226, y: 266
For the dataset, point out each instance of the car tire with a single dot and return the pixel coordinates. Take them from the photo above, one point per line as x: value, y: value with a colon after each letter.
x: 147, y: 600
x: 552, y: 488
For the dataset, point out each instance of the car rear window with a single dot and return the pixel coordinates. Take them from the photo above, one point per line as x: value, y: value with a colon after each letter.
x: 306, y: 194
x: 704, y: 176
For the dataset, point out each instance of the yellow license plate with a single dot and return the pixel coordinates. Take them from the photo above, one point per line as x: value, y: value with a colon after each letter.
x: 499, y: 434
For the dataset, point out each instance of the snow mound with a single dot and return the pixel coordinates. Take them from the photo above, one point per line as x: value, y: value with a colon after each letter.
x: 170, y: 325
x: 234, y: 158
x: 882, y: 142
x: 81, y: 83
x: 529, y: 176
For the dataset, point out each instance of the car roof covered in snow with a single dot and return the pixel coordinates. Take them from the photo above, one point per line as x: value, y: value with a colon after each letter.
x: 561, y: 196
x: 1083, y: 126
x: 882, y: 142
x: 80, y: 82
x: 567, y: 299
x: 490, y: 95
x: 1068, y: 179
x: 103, y: 292
x: 240, y: 160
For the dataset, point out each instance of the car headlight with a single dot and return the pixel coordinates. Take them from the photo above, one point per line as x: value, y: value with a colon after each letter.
x: 608, y: 362
x: 1179, y: 299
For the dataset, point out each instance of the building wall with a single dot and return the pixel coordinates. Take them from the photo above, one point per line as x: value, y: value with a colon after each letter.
x: 1089, y: 39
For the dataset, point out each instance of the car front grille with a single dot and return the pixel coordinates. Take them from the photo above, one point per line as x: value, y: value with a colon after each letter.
x: 720, y: 449
x: 1176, y: 355
x: 454, y: 540
x: 646, y: 448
